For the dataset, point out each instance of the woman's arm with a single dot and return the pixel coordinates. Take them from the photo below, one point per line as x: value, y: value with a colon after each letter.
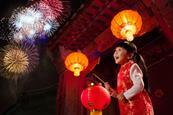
x: 138, y: 84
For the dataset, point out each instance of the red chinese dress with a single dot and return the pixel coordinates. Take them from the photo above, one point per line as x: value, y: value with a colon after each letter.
x: 130, y: 83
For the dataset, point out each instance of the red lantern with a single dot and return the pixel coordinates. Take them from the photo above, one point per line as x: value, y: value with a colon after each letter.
x: 95, y: 98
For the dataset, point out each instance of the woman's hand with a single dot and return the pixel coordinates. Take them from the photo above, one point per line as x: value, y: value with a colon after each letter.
x: 112, y: 92
x: 107, y: 86
x: 122, y: 98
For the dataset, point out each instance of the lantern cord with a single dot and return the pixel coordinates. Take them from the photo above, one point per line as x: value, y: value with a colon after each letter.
x: 98, y: 78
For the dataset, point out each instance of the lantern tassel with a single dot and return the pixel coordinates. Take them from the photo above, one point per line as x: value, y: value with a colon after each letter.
x: 95, y: 112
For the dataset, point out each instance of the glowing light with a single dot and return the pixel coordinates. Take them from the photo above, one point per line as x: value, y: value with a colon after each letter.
x: 92, y: 84
x: 76, y: 62
x: 54, y: 9
x: 31, y: 23
x: 28, y: 22
x: 126, y: 24
x: 18, y: 59
x: 51, y: 8
x: 50, y: 27
x: 128, y: 31
x: 47, y: 27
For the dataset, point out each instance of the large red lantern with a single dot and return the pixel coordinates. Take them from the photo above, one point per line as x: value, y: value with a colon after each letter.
x: 126, y: 24
x: 76, y: 62
x: 95, y: 98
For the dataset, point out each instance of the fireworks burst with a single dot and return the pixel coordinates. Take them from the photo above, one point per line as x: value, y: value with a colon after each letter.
x: 54, y: 9
x: 50, y: 27
x: 18, y: 59
x: 18, y: 35
x: 32, y: 53
x: 28, y: 22
x: 31, y: 23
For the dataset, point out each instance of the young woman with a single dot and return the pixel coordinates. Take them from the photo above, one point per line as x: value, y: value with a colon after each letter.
x: 131, y: 86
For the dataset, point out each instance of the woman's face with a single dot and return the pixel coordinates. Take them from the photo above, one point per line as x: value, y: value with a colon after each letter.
x: 121, y: 55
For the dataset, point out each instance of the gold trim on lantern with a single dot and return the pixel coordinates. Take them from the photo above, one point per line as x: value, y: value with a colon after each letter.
x: 95, y: 112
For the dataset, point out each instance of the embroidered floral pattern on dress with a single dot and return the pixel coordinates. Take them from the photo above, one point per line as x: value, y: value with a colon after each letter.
x: 140, y: 104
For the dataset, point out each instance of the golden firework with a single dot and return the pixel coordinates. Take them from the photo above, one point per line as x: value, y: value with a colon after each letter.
x: 16, y: 61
